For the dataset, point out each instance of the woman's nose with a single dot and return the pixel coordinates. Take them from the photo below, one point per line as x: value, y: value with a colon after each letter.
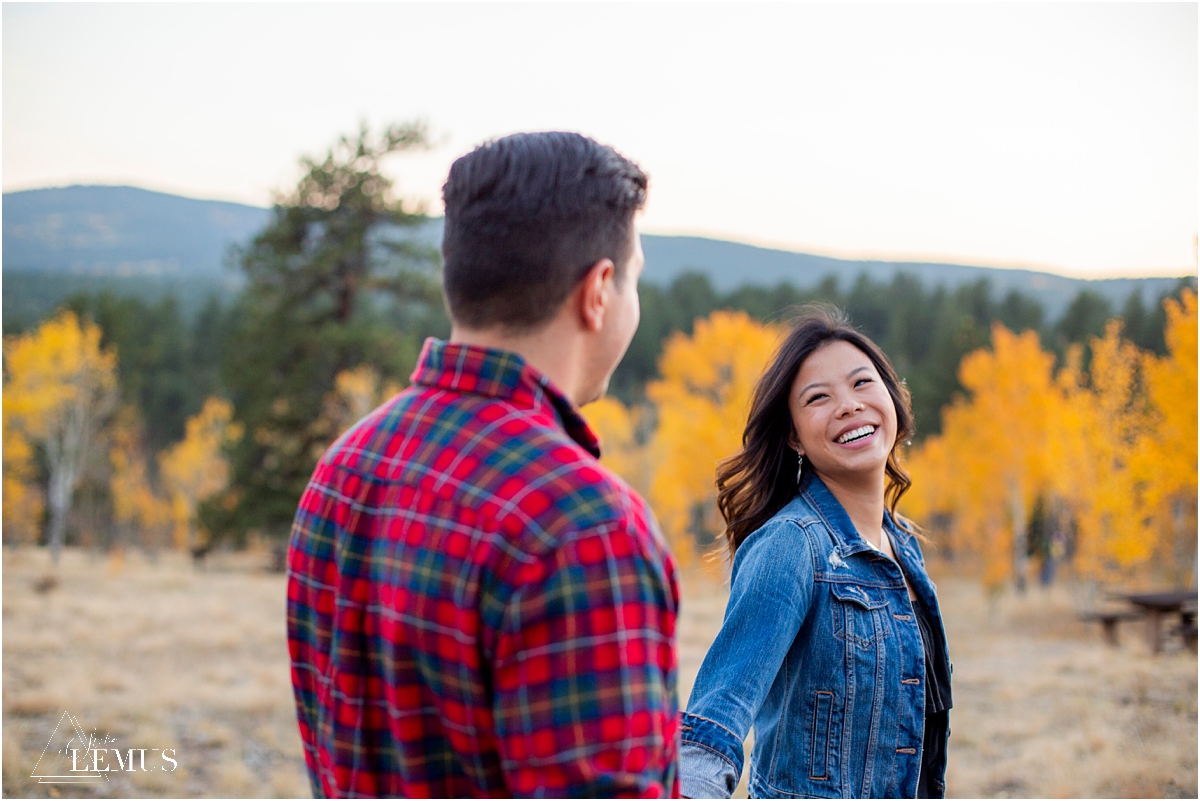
x: 849, y: 405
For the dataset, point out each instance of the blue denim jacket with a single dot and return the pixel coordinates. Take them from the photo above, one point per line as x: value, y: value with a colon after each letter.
x: 821, y: 652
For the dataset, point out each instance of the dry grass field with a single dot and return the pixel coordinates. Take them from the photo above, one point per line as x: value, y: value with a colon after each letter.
x: 161, y: 655
x: 158, y: 656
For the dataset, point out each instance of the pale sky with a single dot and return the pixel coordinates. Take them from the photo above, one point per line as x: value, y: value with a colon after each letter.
x: 1057, y: 137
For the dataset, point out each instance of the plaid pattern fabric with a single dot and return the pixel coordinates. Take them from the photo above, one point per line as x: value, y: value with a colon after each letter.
x: 476, y: 606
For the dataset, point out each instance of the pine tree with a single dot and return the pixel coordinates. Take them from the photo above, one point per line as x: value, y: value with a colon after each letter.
x: 333, y: 282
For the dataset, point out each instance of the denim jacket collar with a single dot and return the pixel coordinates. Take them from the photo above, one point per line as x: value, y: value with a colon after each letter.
x: 847, y: 538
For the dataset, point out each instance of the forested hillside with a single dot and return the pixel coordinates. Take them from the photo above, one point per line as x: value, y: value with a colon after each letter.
x: 195, y: 347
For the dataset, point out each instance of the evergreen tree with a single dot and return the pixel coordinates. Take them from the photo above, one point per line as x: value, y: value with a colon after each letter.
x: 328, y: 281
x: 1085, y: 317
x: 1020, y: 313
x: 1146, y: 328
x: 165, y: 372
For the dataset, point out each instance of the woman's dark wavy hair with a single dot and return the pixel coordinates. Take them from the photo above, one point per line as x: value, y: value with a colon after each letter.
x: 761, y: 479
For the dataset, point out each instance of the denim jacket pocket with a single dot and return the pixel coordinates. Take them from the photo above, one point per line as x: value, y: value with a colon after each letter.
x: 858, y: 615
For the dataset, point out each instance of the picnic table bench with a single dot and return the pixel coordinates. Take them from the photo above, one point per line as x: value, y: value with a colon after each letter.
x: 1109, y: 619
x: 1157, y: 606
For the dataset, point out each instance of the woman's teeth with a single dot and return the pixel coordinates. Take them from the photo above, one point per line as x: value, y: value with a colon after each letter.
x: 858, y: 433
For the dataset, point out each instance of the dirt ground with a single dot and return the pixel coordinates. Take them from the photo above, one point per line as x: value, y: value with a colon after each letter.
x: 160, y: 655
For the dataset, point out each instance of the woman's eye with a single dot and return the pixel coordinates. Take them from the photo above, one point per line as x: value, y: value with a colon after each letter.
x: 812, y: 398
x: 862, y: 381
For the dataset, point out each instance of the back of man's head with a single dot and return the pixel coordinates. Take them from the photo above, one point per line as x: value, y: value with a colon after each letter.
x: 526, y: 217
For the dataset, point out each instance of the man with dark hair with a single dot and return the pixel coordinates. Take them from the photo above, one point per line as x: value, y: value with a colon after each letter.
x: 477, y: 606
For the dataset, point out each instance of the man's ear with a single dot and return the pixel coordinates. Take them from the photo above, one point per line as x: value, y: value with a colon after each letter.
x: 595, y: 294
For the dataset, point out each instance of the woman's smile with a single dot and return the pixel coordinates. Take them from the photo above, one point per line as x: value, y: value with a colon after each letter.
x: 857, y: 436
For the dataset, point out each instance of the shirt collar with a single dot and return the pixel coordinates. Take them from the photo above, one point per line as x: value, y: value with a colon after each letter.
x: 830, y: 508
x: 502, y: 374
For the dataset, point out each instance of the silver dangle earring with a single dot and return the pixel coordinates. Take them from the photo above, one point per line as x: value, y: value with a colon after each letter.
x: 800, y: 468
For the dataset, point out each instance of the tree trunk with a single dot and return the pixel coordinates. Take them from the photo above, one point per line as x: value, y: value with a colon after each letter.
x: 66, y: 452
x: 279, y: 552
x: 349, y: 271
x: 61, y: 455
x: 1020, y: 538
x: 1184, y: 543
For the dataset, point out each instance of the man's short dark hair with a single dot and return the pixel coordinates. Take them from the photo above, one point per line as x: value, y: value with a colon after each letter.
x: 526, y: 217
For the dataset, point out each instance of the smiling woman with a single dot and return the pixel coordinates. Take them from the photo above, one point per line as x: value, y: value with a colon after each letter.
x: 832, y: 645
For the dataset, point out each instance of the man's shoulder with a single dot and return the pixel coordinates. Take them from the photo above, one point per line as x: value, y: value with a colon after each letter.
x: 361, y: 447
x: 513, y: 463
x: 554, y: 489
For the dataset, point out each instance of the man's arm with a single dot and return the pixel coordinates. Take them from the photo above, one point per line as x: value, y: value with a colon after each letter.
x: 310, y: 603
x: 584, y: 668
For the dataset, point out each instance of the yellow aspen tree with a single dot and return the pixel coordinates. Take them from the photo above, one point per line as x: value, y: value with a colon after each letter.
x: 1166, y: 459
x: 616, y: 425
x: 932, y: 495
x: 1093, y: 452
x: 23, y: 502
x: 963, y: 485
x: 702, y: 400
x: 136, y: 504
x: 195, y: 468
x: 61, y: 388
x: 993, y: 457
x: 1115, y: 449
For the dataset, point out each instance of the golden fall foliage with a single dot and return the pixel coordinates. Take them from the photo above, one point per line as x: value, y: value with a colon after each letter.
x: 136, y: 502
x: 1165, y: 456
x: 1108, y: 457
x: 992, y: 458
x: 699, y: 408
x: 1169, y: 456
x: 60, y: 388
x: 195, y: 469
x: 1098, y: 428
x: 24, y: 501
x: 702, y: 401
x: 617, y: 425
x: 60, y: 391
x: 1112, y: 453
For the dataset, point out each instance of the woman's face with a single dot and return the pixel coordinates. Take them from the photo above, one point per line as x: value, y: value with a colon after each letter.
x: 842, y: 412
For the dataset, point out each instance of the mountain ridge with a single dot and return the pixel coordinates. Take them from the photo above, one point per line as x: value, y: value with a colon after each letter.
x: 124, y: 231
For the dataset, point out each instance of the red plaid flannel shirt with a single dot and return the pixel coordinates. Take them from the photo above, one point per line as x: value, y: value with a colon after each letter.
x: 476, y: 606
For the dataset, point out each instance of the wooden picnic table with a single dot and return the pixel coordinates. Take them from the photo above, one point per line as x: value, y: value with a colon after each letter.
x: 1156, y: 605
x: 1108, y: 619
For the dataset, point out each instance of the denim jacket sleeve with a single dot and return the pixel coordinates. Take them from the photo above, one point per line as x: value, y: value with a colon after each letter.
x: 770, y: 590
